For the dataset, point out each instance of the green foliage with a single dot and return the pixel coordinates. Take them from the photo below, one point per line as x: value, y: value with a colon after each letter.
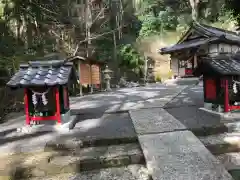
x: 169, y: 20
x: 150, y: 26
x: 31, y: 28
x: 130, y: 58
x: 105, y: 49
x: 155, y: 24
x: 159, y: 16
x: 158, y: 77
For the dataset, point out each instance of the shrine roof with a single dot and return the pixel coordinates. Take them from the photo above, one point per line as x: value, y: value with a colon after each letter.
x: 186, y: 45
x: 42, y: 73
x: 222, y: 65
x: 205, y: 34
x: 86, y: 60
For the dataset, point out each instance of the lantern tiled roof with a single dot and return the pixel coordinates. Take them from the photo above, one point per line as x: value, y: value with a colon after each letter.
x: 220, y: 65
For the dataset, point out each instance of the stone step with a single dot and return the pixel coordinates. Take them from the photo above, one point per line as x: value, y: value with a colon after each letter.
x: 131, y: 172
x: 72, y: 144
x: 100, y: 157
x: 180, y: 155
x: 84, y: 159
x: 222, y: 143
x: 218, y: 129
x: 231, y: 161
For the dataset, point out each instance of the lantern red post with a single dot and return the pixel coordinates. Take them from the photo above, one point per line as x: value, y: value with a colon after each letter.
x: 226, y: 97
x: 26, y: 106
x: 58, y: 113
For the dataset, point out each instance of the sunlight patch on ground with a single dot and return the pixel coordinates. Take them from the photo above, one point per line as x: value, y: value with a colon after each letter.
x: 93, y: 104
x: 89, y: 124
x: 233, y: 139
x: 143, y: 94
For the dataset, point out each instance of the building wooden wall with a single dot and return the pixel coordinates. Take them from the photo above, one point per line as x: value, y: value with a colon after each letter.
x: 216, y: 48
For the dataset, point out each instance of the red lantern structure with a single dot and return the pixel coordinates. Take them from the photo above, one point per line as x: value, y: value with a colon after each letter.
x: 46, y: 89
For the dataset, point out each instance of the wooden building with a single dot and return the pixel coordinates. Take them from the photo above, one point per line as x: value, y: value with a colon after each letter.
x: 200, y: 41
x: 88, y: 72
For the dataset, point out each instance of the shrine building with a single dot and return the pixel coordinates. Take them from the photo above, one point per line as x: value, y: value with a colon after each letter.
x: 212, y: 53
x: 200, y: 41
x: 46, y: 87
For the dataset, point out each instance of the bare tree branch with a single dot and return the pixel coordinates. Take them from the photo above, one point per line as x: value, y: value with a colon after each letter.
x: 98, y: 36
x: 43, y: 8
x: 97, y: 17
x: 76, y: 50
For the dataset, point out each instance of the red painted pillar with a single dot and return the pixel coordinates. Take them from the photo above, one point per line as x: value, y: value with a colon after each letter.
x: 226, y: 97
x: 58, y: 113
x: 26, y: 106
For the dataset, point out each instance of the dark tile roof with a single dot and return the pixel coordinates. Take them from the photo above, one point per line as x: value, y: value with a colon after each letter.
x: 208, y: 32
x: 186, y: 45
x: 222, y: 65
x: 217, y: 32
x: 42, y: 73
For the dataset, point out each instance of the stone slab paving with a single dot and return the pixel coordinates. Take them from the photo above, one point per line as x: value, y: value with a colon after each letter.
x: 109, y: 126
x: 92, y: 124
x: 132, y: 172
x: 158, y: 120
x: 193, y: 118
x: 126, y: 99
x: 89, y: 128
x: 190, y: 96
x: 182, y: 81
x: 180, y: 155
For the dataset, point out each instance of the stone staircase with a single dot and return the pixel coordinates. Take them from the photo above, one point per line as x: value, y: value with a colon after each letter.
x: 91, y: 158
x: 224, y: 143
x: 81, y: 160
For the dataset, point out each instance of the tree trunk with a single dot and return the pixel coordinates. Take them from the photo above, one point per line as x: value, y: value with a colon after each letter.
x: 88, y: 36
x: 194, y: 6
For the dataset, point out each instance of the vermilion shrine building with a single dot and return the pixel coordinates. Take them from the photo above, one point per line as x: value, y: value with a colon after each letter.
x: 200, y: 41
x: 213, y: 53
x: 46, y: 89
x: 221, y: 80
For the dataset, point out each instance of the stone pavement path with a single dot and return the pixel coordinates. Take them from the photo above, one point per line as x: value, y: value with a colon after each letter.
x: 100, y: 116
x: 173, y: 152
x: 104, y: 119
x: 180, y: 155
x: 151, y: 96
